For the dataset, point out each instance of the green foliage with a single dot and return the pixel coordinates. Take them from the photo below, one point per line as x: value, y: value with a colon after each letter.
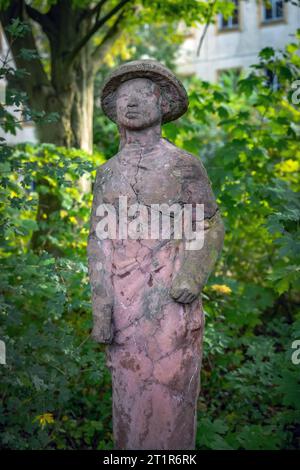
x: 52, y: 366
x: 54, y: 374
x: 55, y: 388
x: 249, y: 138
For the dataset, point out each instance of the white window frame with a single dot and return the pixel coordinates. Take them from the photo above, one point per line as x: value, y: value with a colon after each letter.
x: 273, y: 7
x: 230, y: 26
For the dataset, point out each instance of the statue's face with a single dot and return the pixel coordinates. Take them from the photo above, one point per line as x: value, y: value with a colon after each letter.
x: 138, y: 104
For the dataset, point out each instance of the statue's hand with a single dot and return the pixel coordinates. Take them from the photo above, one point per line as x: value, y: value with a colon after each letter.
x: 184, y: 290
x: 102, y: 325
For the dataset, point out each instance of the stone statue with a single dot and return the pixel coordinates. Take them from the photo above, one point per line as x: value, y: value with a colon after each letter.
x: 146, y: 290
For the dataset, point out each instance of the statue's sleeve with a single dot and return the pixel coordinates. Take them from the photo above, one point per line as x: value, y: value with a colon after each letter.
x: 196, y: 265
x: 99, y: 264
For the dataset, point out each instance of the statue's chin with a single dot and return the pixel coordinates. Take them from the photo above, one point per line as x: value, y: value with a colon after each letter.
x: 136, y: 124
x: 137, y: 127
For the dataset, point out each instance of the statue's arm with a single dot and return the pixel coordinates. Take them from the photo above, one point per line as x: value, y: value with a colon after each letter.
x: 99, y: 264
x: 197, y: 265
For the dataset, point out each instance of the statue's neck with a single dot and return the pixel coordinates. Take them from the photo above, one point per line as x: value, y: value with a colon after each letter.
x: 143, y: 138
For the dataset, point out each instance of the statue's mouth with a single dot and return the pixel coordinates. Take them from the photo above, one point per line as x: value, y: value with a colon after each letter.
x: 132, y: 114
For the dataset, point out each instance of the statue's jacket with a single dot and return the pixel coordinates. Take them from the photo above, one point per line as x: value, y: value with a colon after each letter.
x: 155, y: 342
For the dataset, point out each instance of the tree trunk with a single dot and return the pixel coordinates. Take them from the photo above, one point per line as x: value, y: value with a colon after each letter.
x: 71, y: 97
x: 72, y: 81
x: 68, y: 92
x: 73, y: 101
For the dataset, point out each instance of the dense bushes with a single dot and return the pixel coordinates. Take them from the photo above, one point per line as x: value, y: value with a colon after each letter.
x: 55, y: 388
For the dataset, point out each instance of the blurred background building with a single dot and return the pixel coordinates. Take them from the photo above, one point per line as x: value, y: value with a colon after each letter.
x: 228, y: 46
x: 233, y: 44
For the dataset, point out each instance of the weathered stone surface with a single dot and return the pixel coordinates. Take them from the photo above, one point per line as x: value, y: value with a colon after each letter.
x: 173, y: 93
x: 146, y: 292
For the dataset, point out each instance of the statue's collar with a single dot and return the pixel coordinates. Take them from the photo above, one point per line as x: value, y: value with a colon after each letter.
x: 139, y: 149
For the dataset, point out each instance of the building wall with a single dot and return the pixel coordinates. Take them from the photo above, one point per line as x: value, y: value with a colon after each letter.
x: 238, y: 48
x: 26, y: 134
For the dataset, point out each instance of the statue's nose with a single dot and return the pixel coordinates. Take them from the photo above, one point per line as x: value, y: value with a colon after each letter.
x: 132, y: 102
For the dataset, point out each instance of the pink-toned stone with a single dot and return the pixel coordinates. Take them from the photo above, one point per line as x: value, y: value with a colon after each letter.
x: 146, y: 293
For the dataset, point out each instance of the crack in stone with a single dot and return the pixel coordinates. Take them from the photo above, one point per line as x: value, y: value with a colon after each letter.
x: 136, y: 175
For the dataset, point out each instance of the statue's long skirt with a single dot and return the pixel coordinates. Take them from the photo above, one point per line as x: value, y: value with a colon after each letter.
x: 155, y: 357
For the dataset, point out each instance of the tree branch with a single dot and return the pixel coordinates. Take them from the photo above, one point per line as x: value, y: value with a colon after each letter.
x: 40, y: 18
x: 95, y: 28
x: 209, y: 17
x: 109, y: 38
x: 97, y: 8
x: 87, y: 13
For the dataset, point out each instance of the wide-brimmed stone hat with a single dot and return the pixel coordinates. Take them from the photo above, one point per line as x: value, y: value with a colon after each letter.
x: 173, y: 92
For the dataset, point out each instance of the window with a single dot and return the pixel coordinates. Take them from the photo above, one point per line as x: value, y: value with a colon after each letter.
x: 232, y: 22
x: 272, y: 11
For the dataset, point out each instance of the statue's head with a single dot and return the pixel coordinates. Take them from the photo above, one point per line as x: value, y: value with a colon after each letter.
x: 139, y: 104
x: 142, y: 93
